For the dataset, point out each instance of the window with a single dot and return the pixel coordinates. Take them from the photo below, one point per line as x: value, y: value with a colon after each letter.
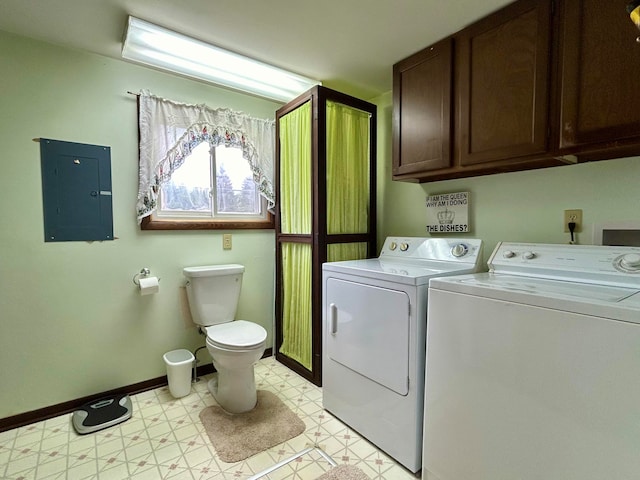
x: 213, y: 188
x: 211, y: 192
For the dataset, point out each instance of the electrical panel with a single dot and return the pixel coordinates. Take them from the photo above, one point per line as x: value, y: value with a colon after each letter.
x: 76, y: 191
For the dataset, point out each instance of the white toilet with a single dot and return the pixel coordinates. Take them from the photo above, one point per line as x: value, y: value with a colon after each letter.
x: 234, y: 345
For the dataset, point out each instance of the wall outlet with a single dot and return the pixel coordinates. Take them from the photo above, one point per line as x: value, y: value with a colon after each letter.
x: 573, y: 216
x: 226, y: 241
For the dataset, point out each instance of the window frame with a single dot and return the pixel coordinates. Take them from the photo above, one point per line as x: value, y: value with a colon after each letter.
x: 152, y: 222
x: 156, y: 221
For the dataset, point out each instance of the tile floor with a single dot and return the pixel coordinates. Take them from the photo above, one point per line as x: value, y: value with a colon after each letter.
x: 164, y: 439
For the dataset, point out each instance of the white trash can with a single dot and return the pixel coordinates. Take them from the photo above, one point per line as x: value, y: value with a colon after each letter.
x: 179, y: 367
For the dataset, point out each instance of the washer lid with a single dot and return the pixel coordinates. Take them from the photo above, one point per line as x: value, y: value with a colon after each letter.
x: 610, y: 302
x: 237, y: 334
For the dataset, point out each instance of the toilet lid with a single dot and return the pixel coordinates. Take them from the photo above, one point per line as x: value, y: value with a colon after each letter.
x: 239, y: 334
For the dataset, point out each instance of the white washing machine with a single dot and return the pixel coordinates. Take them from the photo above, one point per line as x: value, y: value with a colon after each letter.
x: 374, y: 324
x: 533, y: 369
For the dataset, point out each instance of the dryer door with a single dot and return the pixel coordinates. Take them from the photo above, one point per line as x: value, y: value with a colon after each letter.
x: 368, y: 331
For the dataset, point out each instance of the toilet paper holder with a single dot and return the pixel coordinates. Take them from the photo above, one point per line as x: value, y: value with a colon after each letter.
x: 145, y: 272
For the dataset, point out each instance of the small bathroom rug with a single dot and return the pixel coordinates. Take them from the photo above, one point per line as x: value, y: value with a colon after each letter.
x: 239, y: 436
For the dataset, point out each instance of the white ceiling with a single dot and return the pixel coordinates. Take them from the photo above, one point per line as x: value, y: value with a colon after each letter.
x: 351, y: 45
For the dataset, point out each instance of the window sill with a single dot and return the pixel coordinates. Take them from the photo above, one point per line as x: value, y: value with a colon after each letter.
x: 154, y: 223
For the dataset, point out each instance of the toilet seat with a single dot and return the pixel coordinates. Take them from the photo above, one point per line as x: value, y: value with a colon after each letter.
x: 236, y: 335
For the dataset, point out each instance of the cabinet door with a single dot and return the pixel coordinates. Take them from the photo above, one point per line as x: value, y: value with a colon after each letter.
x: 422, y: 110
x: 600, y: 74
x: 502, y: 84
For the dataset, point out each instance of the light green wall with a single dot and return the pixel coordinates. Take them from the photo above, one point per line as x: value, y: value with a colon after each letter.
x: 71, y: 321
x: 522, y: 206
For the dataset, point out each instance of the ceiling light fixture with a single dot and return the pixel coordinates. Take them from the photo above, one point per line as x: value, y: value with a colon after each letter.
x: 149, y: 44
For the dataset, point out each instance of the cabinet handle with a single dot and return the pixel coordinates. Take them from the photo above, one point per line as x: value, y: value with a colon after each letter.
x: 333, y: 318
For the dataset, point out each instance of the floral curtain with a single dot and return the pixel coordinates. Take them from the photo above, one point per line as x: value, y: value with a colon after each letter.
x: 169, y: 131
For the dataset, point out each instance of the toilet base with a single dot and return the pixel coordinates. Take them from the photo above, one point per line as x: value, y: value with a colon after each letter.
x: 234, y: 391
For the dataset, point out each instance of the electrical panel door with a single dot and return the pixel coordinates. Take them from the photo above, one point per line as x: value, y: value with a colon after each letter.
x: 76, y: 191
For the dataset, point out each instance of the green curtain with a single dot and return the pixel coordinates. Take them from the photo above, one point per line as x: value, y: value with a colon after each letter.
x: 295, y: 218
x: 337, y: 252
x: 296, y: 302
x: 347, y: 169
x: 295, y: 171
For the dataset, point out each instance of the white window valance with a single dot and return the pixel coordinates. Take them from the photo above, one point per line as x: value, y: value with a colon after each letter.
x: 169, y: 131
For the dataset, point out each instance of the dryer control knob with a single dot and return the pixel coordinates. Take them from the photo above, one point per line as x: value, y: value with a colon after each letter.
x: 509, y: 254
x: 631, y: 261
x: 393, y: 246
x: 529, y: 255
x: 459, y: 250
x: 404, y: 247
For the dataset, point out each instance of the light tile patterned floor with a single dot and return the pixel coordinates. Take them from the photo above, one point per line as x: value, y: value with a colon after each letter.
x: 164, y: 439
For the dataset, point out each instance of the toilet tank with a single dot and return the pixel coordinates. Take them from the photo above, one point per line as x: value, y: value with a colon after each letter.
x: 213, y: 292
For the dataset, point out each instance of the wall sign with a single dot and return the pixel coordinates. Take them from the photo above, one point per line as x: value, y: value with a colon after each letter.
x: 448, y: 213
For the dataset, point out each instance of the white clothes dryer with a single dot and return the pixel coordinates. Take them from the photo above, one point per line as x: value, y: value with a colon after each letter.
x: 533, y: 369
x: 375, y: 314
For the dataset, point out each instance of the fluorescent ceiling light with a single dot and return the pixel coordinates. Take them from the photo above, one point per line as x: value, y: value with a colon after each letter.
x: 149, y: 44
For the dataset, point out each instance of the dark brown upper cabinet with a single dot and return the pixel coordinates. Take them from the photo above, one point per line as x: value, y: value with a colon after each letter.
x: 502, y: 84
x: 599, y: 86
x: 538, y: 83
x: 422, y: 110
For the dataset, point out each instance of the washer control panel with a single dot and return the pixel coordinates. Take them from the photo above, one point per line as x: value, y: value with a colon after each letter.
x: 589, y: 263
x: 628, y: 262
